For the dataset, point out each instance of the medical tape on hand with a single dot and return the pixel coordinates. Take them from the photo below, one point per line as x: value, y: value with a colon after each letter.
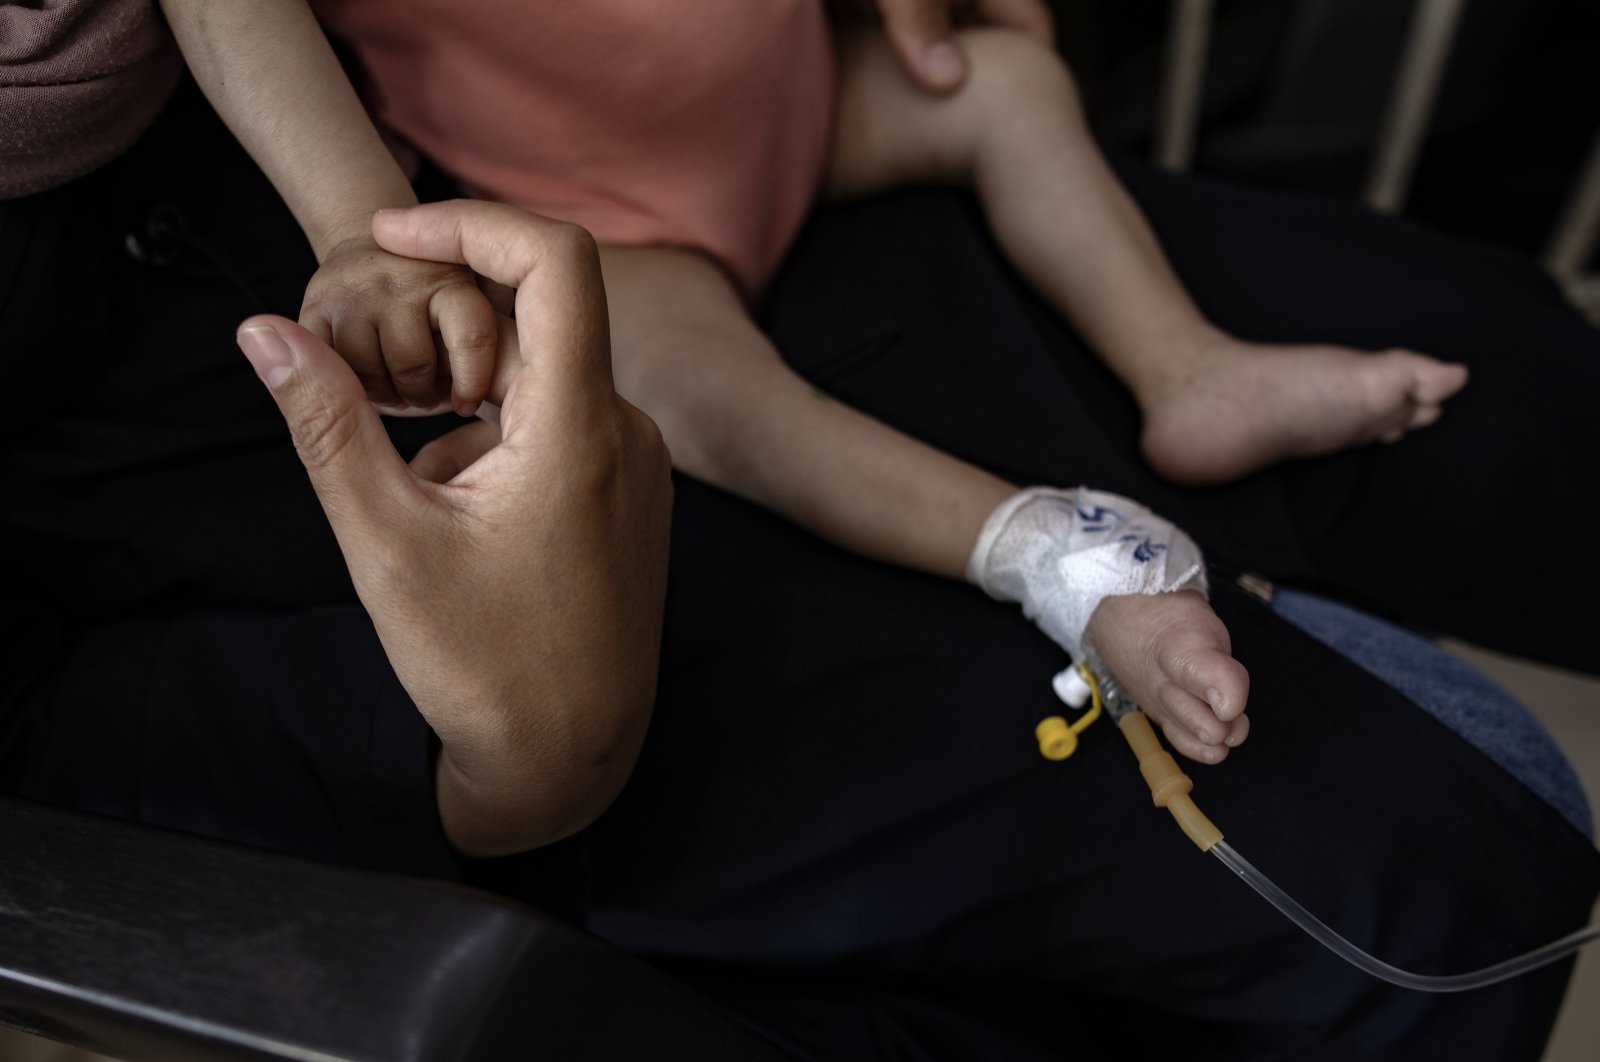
x: 1059, y: 553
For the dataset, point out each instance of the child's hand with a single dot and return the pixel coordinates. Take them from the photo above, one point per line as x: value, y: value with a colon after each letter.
x: 1173, y: 656
x: 396, y: 320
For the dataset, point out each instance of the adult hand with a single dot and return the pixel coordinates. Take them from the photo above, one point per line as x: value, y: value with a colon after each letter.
x: 923, y: 37
x: 519, y: 599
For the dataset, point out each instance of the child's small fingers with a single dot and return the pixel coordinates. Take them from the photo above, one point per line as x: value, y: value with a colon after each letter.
x: 1186, y: 710
x: 1228, y: 692
x: 1238, y: 730
x: 466, y: 322
x: 318, y: 324
x: 1210, y: 674
x: 1186, y: 744
x: 408, y: 354
x: 356, y: 340
x: 1424, y: 415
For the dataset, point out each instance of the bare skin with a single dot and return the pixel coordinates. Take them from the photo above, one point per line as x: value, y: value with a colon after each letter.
x: 268, y: 70
x: 734, y: 415
x: 1215, y: 407
x: 515, y: 573
x: 1173, y: 655
x: 1235, y: 407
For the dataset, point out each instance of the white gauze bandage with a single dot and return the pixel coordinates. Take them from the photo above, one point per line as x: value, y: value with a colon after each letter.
x: 1060, y: 552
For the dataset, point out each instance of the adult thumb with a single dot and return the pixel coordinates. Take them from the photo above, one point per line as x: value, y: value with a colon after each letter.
x: 354, y: 469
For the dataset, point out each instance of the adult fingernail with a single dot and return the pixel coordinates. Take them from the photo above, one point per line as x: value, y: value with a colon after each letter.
x: 944, y: 62
x: 269, y: 355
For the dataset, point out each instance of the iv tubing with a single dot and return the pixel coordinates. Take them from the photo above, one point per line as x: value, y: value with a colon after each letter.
x: 1347, y: 951
x: 1170, y: 787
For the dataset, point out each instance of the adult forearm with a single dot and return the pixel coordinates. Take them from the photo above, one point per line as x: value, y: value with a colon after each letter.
x: 268, y: 69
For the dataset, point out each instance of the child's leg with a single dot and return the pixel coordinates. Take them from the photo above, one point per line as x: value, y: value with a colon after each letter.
x: 1215, y: 407
x: 734, y: 415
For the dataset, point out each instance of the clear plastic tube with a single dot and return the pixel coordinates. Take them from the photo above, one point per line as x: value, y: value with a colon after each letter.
x: 1105, y: 690
x: 1500, y: 971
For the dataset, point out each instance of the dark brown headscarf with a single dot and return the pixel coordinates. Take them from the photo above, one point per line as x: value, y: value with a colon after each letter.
x: 79, y: 81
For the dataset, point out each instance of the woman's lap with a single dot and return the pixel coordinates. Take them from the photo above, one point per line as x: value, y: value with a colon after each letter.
x: 859, y: 734
x: 841, y: 779
x: 1399, y: 530
x: 832, y: 728
x: 1463, y: 699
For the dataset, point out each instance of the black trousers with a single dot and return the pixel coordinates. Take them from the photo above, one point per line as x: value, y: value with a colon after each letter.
x: 841, y: 771
x: 839, y: 826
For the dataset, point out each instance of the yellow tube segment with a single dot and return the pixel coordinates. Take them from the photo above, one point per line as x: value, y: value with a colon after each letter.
x: 1169, y: 786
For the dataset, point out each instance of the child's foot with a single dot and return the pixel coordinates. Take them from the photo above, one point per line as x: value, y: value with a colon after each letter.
x: 1171, y: 654
x: 1238, y: 407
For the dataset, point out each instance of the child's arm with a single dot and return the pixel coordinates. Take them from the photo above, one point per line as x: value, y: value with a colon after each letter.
x: 686, y: 352
x: 268, y: 69
x: 733, y: 414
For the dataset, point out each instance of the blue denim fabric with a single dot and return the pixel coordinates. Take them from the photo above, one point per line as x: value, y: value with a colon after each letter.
x: 1449, y: 690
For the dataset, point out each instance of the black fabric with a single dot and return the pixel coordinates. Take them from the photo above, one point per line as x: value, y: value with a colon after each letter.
x: 847, y: 782
x: 839, y: 825
x: 841, y: 775
x: 190, y: 649
x: 903, y: 306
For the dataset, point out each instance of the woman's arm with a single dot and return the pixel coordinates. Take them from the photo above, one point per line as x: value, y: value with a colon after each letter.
x: 267, y: 68
x: 686, y: 352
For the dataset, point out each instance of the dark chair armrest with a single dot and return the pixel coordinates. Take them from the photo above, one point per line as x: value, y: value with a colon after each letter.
x: 147, y: 944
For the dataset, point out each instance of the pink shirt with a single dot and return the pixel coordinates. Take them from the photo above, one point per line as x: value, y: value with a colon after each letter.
x: 698, y: 123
